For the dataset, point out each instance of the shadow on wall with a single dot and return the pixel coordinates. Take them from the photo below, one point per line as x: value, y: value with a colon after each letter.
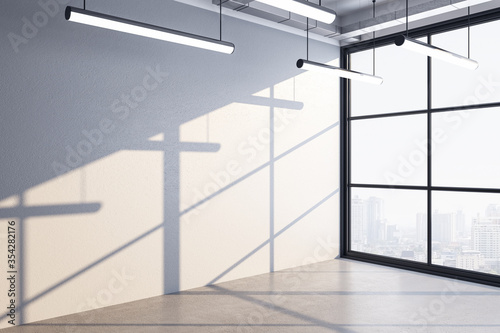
x: 133, y: 168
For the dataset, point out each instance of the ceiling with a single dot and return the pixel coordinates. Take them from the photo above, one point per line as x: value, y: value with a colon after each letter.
x: 347, y: 7
x: 354, y: 20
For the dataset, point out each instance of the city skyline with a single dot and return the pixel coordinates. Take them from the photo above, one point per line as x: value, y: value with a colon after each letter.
x: 467, y: 241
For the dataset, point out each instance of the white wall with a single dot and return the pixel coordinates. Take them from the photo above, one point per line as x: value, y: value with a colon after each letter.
x: 184, y: 186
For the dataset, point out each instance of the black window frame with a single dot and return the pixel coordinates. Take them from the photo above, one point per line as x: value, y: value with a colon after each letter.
x: 345, y: 156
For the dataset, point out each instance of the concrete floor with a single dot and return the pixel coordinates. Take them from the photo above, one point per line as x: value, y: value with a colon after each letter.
x: 332, y: 296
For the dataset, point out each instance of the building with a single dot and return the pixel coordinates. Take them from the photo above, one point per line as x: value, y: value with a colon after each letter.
x: 486, y: 237
x: 493, y: 210
x: 460, y: 224
x: 443, y: 227
x: 392, y: 233
x: 470, y: 260
x: 358, y: 220
x: 421, y: 228
x: 375, y: 223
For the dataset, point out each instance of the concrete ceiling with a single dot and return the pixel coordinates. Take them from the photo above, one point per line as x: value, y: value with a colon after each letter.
x: 348, y: 7
x: 354, y: 20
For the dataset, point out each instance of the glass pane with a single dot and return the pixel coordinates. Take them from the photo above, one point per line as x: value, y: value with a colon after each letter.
x: 389, y: 222
x: 405, y: 81
x: 456, y: 86
x: 465, y: 150
x: 389, y: 150
x: 466, y: 231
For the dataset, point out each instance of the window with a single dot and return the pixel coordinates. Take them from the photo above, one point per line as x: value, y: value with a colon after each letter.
x: 421, y: 184
x: 466, y: 231
x: 389, y: 222
x: 406, y: 82
x: 394, y: 148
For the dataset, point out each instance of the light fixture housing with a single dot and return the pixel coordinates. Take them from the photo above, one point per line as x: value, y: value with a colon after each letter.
x: 304, y: 8
x: 435, y: 52
x: 316, y: 66
x: 146, y: 30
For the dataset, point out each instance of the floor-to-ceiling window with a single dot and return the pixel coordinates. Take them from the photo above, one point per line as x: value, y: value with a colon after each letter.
x: 421, y: 154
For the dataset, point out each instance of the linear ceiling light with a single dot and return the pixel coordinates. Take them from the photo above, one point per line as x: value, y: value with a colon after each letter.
x: 142, y: 29
x: 435, y: 52
x: 304, y: 8
x: 337, y: 71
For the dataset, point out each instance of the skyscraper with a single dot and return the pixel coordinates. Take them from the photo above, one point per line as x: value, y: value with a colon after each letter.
x: 375, y: 230
x: 357, y: 220
x: 421, y: 227
x: 486, y: 237
x: 443, y: 227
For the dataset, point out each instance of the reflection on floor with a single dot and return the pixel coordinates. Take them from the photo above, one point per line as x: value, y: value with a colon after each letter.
x: 332, y: 296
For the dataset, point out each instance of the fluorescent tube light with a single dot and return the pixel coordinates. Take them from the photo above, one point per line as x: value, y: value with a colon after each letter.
x: 435, y: 52
x: 304, y: 8
x: 142, y: 29
x: 310, y: 65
